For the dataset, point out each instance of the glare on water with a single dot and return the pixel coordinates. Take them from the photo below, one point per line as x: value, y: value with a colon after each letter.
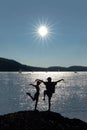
x: 69, y: 99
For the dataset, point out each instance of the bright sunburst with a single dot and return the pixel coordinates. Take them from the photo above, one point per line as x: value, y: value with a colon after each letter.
x: 42, y: 31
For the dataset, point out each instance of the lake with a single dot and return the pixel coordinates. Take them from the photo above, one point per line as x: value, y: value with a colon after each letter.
x: 69, y: 99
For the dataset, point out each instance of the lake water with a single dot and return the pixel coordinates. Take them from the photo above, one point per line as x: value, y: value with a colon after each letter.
x: 69, y: 99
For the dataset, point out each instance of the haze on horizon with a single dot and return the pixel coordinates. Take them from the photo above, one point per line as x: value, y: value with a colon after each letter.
x: 66, y: 40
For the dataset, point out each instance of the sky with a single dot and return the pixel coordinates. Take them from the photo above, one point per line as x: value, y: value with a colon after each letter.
x: 66, y: 42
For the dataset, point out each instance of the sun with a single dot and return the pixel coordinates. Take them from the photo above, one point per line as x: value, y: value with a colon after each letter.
x: 43, y: 31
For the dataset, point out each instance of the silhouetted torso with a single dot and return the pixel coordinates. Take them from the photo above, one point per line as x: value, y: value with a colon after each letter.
x: 50, y: 86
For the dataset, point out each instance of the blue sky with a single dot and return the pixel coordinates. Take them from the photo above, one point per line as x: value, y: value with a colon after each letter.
x: 66, y: 43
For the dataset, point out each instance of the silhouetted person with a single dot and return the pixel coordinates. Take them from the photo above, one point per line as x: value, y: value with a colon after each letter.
x: 36, y: 95
x: 50, y: 88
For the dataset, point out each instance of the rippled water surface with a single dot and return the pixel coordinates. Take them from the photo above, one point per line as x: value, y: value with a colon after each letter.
x: 70, y: 98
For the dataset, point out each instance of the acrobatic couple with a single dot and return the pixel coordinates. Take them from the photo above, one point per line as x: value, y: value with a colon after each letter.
x: 50, y: 89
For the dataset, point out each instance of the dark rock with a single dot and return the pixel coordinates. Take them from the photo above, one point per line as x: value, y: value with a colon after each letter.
x: 44, y: 120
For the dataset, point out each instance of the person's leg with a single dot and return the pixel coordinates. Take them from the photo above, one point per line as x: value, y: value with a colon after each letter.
x: 36, y: 104
x: 36, y: 98
x: 44, y: 94
x: 30, y: 96
x: 49, y: 103
x: 49, y: 100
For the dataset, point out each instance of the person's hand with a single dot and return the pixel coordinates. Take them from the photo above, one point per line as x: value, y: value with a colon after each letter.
x: 62, y: 79
x: 36, y: 80
x: 30, y: 84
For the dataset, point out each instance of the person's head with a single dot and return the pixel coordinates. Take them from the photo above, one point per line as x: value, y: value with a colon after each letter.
x: 38, y: 82
x: 49, y: 79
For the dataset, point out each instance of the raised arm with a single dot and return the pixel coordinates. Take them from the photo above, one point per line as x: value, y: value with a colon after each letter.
x: 59, y: 80
x: 39, y: 80
x: 32, y: 85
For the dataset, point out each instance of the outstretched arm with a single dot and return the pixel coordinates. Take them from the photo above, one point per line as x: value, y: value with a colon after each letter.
x: 59, y: 80
x: 32, y: 85
x: 39, y: 80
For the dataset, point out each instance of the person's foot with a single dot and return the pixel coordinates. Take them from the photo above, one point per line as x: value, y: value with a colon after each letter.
x: 44, y: 99
x: 48, y: 110
x: 35, y: 109
x: 28, y: 94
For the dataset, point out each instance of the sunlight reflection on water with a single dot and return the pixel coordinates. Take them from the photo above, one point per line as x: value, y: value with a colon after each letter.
x: 70, y: 98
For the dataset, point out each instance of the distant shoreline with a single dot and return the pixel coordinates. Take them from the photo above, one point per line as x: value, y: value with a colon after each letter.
x: 12, y: 65
x: 41, y: 71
